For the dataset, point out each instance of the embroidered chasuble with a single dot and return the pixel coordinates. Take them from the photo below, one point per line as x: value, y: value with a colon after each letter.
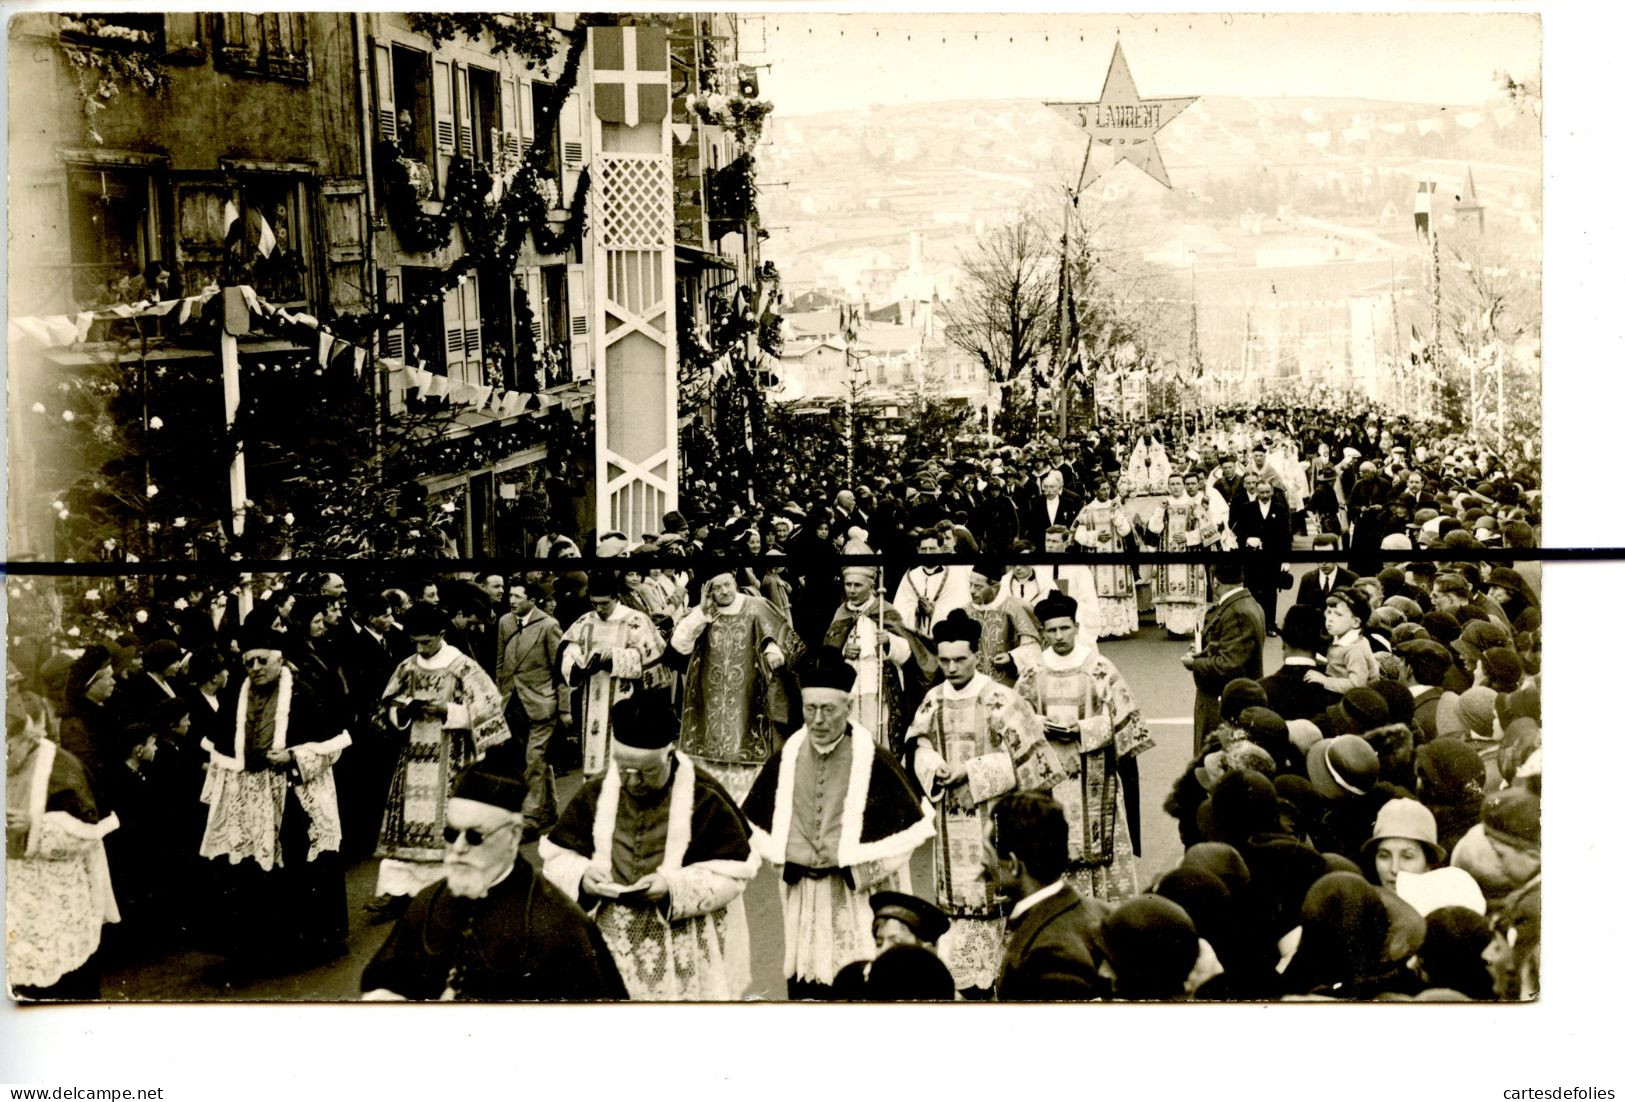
x: 633, y: 645
x: 728, y: 691
x: 1181, y: 589
x: 1008, y: 627
x: 990, y: 731
x: 436, y: 752
x: 1084, y: 692
x: 1100, y: 527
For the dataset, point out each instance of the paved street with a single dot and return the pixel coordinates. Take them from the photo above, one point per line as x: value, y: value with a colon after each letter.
x: 1150, y: 662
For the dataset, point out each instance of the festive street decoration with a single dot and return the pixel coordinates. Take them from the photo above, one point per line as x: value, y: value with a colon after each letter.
x: 1124, y: 123
x: 741, y: 116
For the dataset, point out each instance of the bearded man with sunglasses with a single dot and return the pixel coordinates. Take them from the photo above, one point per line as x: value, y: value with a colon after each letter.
x: 658, y: 853
x: 493, y: 930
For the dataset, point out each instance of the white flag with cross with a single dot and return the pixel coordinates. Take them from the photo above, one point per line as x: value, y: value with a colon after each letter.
x: 631, y: 75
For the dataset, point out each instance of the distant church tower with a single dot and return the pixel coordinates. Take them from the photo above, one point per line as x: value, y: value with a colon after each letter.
x: 1469, y: 211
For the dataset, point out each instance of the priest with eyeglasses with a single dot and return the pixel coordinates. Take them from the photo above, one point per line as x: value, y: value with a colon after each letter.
x: 660, y: 856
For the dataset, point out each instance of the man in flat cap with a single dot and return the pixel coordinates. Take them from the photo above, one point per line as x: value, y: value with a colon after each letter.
x: 658, y: 853
x: 971, y: 741
x: 612, y: 651
x: 841, y: 818
x: 493, y: 929
x: 273, y: 819
x: 451, y: 714
x: 883, y: 653
x: 1092, y: 722
x: 737, y: 645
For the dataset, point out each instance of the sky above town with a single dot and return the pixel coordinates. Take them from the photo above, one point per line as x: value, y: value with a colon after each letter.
x: 838, y: 62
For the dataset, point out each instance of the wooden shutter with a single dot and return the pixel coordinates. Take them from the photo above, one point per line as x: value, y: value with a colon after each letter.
x: 383, y: 82
x: 580, y: 331
x: 394, y: 342
x: 572, y: 147
x: 527, y: 116
x: 452, y: 311
x: 536, y: 292
x: 445, y: 126
x: 465, y: 116
x: 475, y: 370
x: 513, y: 93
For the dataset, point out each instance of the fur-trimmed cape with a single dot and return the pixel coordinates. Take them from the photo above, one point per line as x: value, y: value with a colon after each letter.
x: 884, y: 815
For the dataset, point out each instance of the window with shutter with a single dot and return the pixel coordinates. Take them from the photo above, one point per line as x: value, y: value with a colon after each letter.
x: 452, y: 310
x: 572, y: 135
x: 471, y: 329
x: 272, y: 45
x: 445, y: 126
x: 580, y: 329
x: 527, y: 115
x: 537, y: 294
x: 465, y: 117
x: 394, y: 343
x: 510, y: 117
x: 383, y: 83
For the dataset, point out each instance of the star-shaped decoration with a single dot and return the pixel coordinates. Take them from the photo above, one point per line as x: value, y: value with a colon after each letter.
x: 1124, y: 123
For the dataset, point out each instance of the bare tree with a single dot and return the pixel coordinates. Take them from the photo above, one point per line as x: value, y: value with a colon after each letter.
x: 1003, y: 312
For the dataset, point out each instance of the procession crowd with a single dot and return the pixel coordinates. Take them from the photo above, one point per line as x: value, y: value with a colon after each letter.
x: 1361, y: 822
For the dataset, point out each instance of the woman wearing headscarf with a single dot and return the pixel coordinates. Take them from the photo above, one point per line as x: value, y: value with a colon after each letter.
x: 818, y: 590
x: 1344, y: 937
x: 1455, y: 960
x: 1227, y: 965
x: 90, y: 731
x: 1450, y: 783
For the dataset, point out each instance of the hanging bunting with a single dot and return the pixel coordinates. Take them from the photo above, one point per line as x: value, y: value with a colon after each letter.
x: 324, y: 347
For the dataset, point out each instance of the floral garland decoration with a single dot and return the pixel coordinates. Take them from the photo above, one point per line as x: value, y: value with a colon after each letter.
x: 104, y: 56
x: 525, y: 34
x: 741, y: 117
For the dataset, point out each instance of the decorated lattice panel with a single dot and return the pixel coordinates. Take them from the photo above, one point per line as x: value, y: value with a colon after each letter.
x: 633, y: 201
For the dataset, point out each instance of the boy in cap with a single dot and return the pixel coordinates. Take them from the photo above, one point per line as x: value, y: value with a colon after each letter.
x: 658, y: 853
x: 841, y: 818
x: 901, y: 921
x: 1094, y: 725
x: 493, y: 929
x: 1349, y: 661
